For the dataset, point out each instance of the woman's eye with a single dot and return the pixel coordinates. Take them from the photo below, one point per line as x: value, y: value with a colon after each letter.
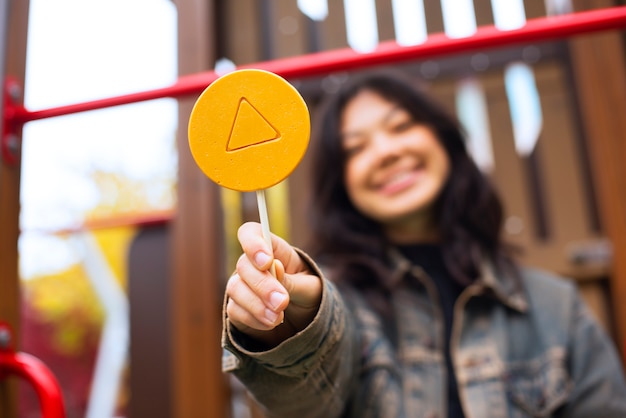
x: 401, y: 126
x: 353, y: 150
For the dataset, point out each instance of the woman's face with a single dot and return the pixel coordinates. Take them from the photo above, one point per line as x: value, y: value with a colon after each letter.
x: 395, y: 167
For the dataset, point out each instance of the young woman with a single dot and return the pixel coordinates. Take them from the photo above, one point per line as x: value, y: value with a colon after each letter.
x: 418, y: 309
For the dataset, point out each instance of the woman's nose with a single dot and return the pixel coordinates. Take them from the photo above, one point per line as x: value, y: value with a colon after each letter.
x: 384, y: 149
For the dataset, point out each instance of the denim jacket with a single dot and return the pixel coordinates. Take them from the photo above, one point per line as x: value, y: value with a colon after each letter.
x: 531, y: 352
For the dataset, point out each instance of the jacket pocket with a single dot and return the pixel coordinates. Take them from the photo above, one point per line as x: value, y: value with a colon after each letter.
x: 538, y: 386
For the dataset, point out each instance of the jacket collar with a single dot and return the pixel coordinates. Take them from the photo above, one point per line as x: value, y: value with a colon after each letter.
x: 503, y: 287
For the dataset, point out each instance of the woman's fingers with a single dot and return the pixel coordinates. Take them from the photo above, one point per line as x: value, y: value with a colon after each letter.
x: 304, y: 290
x: 259, y: 301
x: 263, y: 284
x: 254, y: 247
x: 245, y: 316
x: 251, y: 239
x: 256, y: 298
x: 247, y: 308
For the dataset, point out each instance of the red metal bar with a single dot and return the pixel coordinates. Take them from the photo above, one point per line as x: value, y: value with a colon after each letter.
x: 535, y: 30
x: 35, y: 372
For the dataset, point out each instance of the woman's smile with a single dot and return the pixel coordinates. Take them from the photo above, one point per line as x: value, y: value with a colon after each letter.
x: 399, y: 182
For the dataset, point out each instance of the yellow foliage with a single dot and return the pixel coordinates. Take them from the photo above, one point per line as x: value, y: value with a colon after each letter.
x: 114, y: 244
x: 66, y: 299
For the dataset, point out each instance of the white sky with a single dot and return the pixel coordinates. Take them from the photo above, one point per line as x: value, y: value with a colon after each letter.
x: 80, y: 50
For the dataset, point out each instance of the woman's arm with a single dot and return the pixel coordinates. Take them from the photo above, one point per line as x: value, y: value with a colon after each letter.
x: 308, y: 375
x: 289, y: 338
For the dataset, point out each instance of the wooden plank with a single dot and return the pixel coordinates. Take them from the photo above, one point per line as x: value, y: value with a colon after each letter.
x: 148, y: 292
x: 599, y: 66
x: 290, y: 30
x: 200, y: 388
x: 241, y: 37
x: 333, y: 28
x: 15, y: 65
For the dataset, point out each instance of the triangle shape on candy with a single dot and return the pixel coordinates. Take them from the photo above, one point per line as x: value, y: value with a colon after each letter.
x: 249, y: 128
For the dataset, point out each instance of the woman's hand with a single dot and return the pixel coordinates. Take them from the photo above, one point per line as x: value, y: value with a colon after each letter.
x: 267, y: 308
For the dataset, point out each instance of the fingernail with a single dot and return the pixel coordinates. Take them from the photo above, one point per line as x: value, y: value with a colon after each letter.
x: 271, y: 315
x: 276, y: 299
x: 261, y: 259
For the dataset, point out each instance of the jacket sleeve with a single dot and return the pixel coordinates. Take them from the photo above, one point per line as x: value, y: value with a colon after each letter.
x: 598, y: 387
x: 308, y: 375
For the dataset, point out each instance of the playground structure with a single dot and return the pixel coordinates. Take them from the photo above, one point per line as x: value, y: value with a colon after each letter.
x: 195, y: 231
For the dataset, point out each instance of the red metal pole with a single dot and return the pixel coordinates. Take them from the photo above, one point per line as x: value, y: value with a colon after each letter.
x: 535, y: 30
x: 34, y: 371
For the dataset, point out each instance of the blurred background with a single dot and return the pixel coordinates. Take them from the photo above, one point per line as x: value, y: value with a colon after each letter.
x: 115, y: 248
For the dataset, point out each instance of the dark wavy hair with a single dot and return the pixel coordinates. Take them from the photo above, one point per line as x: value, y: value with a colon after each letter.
x: 468, y: 212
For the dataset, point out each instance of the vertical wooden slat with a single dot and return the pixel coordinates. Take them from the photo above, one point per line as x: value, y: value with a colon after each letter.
x: 334, y: 27
x: 484, y: 14
x: 537, y: 196
x: 200, y: 388
x: 290, y: 30
x: 599, y: 68
x: 535, y: 8
x: 299, y: 182
x: 149, y: 270
x: 242, y: 43
x: 434, y: 16
x: 582, y: 150
x: 384, y: 17
x: 15, y: 66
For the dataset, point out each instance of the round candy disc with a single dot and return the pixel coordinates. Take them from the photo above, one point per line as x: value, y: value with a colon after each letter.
x: 249, y: 130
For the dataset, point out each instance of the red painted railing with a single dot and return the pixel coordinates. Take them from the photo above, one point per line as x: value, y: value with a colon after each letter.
x: 321, y: 63
x: 32, y: 370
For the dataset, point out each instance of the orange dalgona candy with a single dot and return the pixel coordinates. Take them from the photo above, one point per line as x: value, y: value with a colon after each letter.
x: 249, y: 130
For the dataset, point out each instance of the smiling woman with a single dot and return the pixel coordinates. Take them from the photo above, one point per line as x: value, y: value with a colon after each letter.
x: 417, y: 306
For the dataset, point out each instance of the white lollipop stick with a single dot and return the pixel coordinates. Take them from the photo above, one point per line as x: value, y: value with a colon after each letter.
x: 265, y: 224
